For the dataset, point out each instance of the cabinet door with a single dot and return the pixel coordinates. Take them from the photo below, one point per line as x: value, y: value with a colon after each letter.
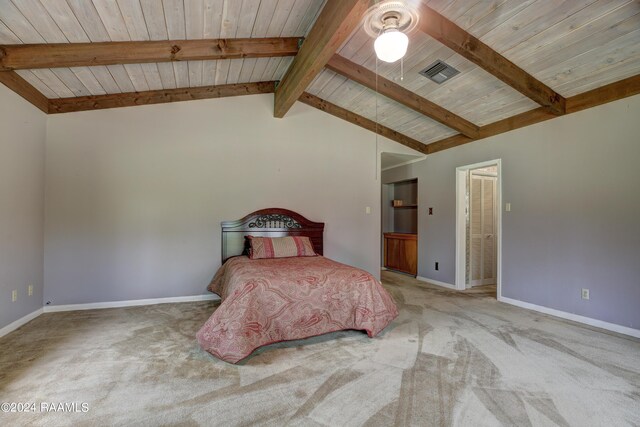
x: 402, y: 255
x: 410, y: 263
x: 392, y: 253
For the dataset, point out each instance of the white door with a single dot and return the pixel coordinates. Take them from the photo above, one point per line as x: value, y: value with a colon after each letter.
x: 482, y: 224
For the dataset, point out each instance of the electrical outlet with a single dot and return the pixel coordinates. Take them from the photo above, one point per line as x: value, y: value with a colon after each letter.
x: 437, y: 266
x: 30, y: 290
x: 14, y: 295
x: 585, y: 293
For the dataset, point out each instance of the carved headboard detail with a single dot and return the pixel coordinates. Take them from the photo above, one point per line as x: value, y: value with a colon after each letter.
x: 272, y: 222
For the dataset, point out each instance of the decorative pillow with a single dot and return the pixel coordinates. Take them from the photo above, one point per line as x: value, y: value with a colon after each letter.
x: 280, y: 247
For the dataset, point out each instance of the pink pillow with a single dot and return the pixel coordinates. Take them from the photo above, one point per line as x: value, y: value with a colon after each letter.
x: 280, y: 247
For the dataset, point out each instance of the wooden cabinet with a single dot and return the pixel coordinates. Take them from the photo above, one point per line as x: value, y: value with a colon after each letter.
x: 401, y: 252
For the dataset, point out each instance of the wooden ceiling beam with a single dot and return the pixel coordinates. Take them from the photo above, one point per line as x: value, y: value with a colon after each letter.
x: 55, y: 55
x: 470, y: 47
x: 336, y: 22
x: 13, y: 81
x: 593, y: 98
x: 602, y: 95
x: 99, y: 102
x: 399, y: 94
x: 505, y: 125
x: 363, y: 122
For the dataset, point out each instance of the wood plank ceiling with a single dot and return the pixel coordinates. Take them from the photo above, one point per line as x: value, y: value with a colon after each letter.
x: 82, y: 21
x: 520, y: 61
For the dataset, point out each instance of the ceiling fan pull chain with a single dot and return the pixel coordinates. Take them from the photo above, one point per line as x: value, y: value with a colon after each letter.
x: 377, y: 144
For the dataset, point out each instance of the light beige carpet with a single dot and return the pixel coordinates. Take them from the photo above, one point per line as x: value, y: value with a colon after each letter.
x: 449, y: 359
x: 484, y: 290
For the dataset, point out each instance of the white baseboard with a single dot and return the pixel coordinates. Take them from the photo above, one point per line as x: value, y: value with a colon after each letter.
x: 436, y: 282
x: 23, y: 320
x: 97, y: 305
x: 574, y: 317
x: 130, y: 303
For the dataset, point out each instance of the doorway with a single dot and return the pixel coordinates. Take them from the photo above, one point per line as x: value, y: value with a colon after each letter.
x: 479, y: 226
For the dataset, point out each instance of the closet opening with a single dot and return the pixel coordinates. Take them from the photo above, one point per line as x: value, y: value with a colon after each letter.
x: 478, y: 228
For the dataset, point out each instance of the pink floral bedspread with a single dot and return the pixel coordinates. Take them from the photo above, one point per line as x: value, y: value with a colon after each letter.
x: 270, y: 300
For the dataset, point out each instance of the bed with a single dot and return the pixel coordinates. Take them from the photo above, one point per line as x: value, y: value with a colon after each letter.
x: 265, y: 301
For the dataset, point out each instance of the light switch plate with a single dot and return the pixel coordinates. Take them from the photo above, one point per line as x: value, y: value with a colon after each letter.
x: 14, y: 295
x: 367, y: 210
x: 508, y: 207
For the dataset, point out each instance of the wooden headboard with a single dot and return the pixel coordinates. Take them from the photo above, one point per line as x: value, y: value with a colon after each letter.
x: 272, y: 222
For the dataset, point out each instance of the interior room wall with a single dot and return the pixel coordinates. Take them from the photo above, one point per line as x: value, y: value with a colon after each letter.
x: 22, y: 153
x: 573, y: 187
x: 135, y: 196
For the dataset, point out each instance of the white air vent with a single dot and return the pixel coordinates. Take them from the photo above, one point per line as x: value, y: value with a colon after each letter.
x: 439, y: 72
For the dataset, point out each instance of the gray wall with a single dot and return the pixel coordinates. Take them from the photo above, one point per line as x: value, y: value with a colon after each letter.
x: 573, y: 184
x: 22, y: 145
x: 135, y: 196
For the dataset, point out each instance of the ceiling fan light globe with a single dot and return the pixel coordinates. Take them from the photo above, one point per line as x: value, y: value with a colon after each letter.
x: 391, y: 45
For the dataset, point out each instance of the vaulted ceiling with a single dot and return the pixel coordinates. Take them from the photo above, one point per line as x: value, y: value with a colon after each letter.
x: 520, y: 61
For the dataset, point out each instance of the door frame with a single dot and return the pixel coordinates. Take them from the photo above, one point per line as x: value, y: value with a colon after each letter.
x: 461, y: 224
